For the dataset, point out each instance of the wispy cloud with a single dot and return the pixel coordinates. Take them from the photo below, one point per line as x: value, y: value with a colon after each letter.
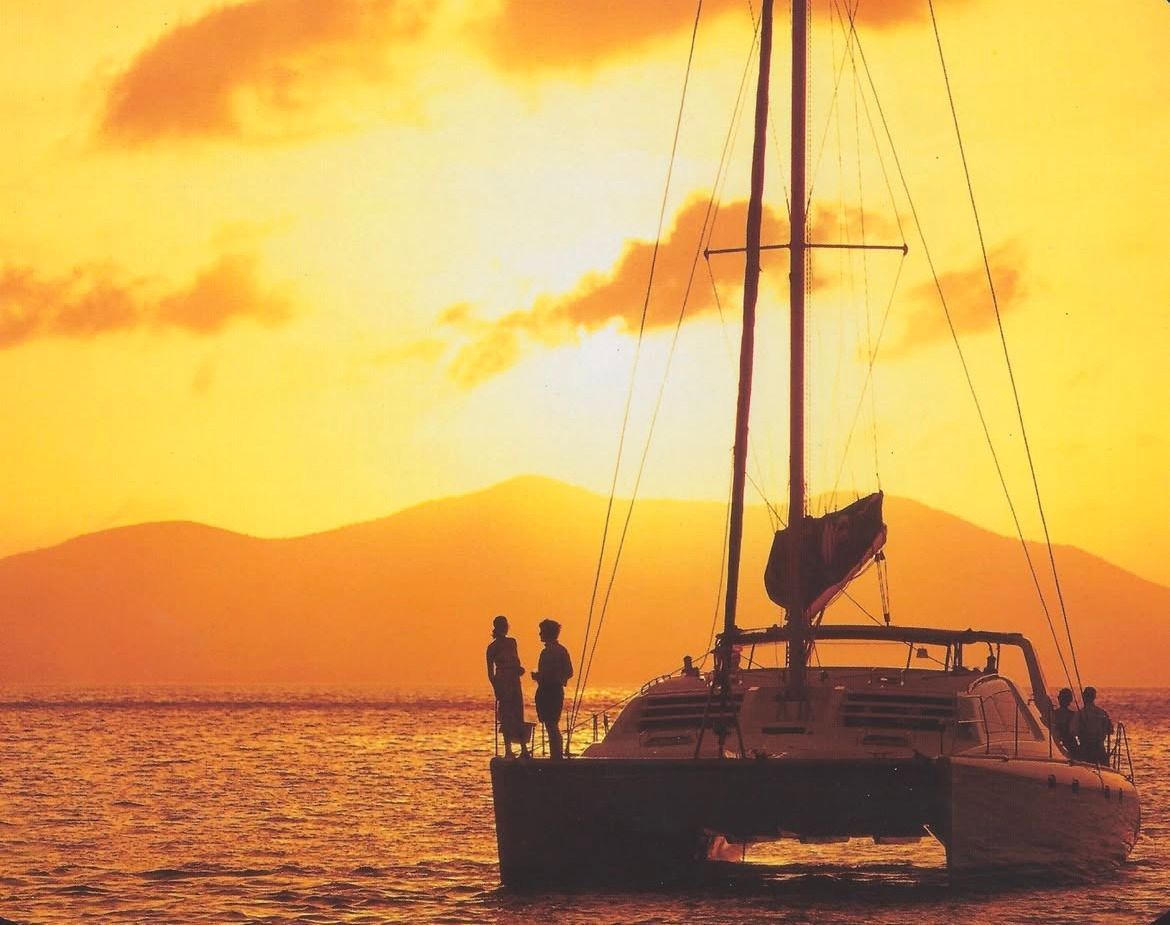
x: 892, y: 13
x: 425, y: 350
x: 264, y: 70
x: 616, y: 297
x: 532, y: 35
x: 90, y: 301
x: 222, y: 74
x: 968, y: 302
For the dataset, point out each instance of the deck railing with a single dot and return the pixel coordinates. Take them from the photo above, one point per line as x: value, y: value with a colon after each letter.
x: 600, y: 719
x: 1120, y: 757
x: 530, y: 730
x: 538, y: 739
x: 1119, y: 748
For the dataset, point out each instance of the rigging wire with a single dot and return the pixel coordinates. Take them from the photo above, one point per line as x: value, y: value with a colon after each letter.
x: 856, y: 603
x: 855, y: 43
x: 634, y: 369
x: 873, y: 347
x: 1003, y: 341
x: 963, y: 362
x: 774, y: 516
x: 662, y: 676
x: 847, y: 22
x: 721, y: 175
x: 883, y: 584
x: 847, y: 262
x: 865, y: 386
x: 776, y: 146
x: 699, y: 248
x: 833, y: 103
x: 806, y: 398
x: 869, y: 342
x: 722, y: 575
x: 844, y: 257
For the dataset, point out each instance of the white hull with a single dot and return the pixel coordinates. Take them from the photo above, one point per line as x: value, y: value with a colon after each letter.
x: 1015, y: 813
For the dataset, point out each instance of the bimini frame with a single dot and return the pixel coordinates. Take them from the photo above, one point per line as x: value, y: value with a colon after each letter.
x: 909, y: 635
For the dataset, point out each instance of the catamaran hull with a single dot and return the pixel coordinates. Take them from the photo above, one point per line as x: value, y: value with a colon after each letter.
x: 614, y: 820
x: 1015, y: 814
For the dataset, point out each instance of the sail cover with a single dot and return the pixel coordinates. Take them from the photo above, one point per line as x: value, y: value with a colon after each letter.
x: 834, y: 549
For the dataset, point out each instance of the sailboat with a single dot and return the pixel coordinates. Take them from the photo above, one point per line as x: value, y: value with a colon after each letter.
x: 940, y: 746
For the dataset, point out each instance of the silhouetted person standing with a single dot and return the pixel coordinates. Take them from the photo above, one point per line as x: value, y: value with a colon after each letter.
x: 504, y: 671
x: 552, y: 673
x: 1092, y: 727
x: 1063, y: 722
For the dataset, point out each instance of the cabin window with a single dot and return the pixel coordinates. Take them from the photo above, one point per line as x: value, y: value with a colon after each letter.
x: 970, y: 720
x: 1000, y: 710
x: 1004, y: 714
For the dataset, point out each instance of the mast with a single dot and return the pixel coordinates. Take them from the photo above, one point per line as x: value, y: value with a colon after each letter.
x: 796, y: 617
x: 751, y: 288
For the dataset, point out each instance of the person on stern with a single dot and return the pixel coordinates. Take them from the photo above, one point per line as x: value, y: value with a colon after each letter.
x: 552, y: 674
x: 504, y: 672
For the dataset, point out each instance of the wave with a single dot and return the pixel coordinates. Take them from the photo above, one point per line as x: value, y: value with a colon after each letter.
x: 201, y: 871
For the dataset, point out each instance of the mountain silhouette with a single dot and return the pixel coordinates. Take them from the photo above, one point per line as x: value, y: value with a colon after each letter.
x: 406, y: 601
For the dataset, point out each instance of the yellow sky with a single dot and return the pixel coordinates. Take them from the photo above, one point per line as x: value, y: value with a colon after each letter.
x: 280, y: 265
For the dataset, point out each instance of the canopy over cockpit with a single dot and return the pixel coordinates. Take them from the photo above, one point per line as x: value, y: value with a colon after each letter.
x: 954, y: 640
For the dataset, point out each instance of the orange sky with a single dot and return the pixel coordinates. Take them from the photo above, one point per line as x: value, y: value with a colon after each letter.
x: 279, y: 265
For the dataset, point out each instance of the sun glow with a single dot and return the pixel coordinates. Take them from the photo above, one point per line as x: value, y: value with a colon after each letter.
x: 390, y: 192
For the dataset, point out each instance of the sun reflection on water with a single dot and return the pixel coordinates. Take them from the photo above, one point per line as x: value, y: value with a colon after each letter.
x: 353, y: 806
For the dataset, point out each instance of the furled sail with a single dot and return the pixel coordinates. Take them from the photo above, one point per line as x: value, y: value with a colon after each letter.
x: 834, y: 549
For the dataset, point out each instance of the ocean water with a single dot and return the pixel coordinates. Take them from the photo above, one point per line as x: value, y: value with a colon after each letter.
x: 330, y: 806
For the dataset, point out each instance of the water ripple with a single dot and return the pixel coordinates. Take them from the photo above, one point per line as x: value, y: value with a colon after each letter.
x: 344, y: 808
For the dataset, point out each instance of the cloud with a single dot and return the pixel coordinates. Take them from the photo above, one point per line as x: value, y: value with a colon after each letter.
x: 533, y: 35
x: 892, y: 13
x: 423, y: 350
x: 90, y: 301
x: 968, y: 302
x: 264, y: 70
x: 223, y: 74
x: 530, y: 35
x: 616, y: 297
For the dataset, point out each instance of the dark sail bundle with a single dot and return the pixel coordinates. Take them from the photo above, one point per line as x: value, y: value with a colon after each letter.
x: 834, y: 548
